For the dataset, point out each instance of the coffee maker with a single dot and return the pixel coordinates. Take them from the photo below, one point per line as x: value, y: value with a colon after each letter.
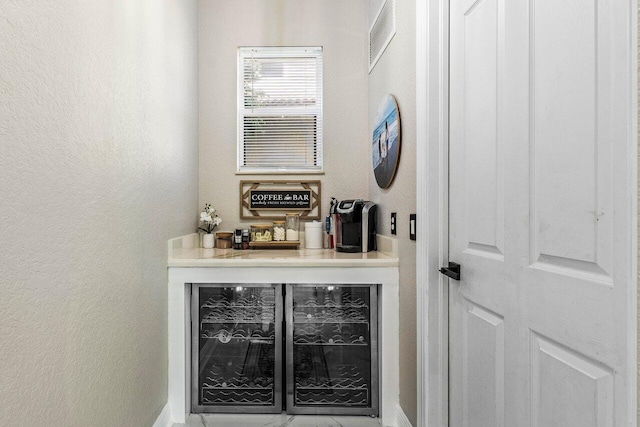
x: 354, y: 225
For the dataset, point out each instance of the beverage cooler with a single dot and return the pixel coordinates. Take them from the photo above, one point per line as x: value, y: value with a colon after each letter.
x: 236, y: 348
x: 332, y: 351
x: 329, y: 341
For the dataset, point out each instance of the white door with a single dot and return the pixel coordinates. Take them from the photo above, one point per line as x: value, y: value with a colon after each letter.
x: 542, y: 130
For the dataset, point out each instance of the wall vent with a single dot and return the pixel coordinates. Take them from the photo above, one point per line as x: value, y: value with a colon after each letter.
x: 382, y: 31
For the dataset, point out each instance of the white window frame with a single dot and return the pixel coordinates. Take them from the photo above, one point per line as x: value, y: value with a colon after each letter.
x: 266, y: 52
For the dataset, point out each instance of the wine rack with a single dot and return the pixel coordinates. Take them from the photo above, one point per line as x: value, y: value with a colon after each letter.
x: 332, y: 349
x: 236, y: 352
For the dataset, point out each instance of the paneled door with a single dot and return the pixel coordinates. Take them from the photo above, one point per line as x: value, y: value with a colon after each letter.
x: 541, y: 201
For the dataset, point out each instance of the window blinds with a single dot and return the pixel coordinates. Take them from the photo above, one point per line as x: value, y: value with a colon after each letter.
x: 280, y: 109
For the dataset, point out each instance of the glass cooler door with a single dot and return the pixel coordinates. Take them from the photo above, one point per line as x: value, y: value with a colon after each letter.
x: 236, y: 348
x: 332, y: 354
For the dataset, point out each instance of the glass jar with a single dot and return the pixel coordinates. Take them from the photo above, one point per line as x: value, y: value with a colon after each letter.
x: 278, y: 231
x: 292, y: 225
x: 261, y: 233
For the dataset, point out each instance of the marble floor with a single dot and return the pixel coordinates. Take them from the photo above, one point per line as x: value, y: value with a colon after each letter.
x: 277, y: 420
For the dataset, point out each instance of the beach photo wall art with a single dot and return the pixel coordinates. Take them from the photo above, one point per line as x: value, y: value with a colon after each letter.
x: 385, y: 145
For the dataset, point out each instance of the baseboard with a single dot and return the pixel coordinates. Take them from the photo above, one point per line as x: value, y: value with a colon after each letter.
x: 401, y: 418
x: 164, y: 419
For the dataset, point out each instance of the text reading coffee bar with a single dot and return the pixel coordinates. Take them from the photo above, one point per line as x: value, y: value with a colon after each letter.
x: 280, y: 199
x: 272, y: 199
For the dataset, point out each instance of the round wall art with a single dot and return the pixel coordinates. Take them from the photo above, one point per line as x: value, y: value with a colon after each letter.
x: 385, y: 145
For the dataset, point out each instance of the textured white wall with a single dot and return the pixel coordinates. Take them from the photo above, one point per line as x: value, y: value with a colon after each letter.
x: 395, y: 73
x: 98, y: 168
x: 341, y: 27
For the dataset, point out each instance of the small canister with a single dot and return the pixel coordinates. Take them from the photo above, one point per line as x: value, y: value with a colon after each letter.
x: 313, y: 234
x: 237, y: 239
x: 261, y: 233
x: 246, y: 238
x: 224, y: 239
x: 278, y: 231
x: 292, y: 225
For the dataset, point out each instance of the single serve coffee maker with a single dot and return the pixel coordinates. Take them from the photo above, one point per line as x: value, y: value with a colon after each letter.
x: 354, y: 225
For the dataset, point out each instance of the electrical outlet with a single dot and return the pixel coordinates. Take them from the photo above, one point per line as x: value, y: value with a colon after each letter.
x: 412, y: 226
x: 393, y: 223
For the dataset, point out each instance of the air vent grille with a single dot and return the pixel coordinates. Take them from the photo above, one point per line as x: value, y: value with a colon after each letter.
x: 382, y: 31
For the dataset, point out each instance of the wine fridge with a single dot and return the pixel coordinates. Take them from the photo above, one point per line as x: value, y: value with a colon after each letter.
x: 332, y: 357
x: 236, y: 348
x: 329, y: 335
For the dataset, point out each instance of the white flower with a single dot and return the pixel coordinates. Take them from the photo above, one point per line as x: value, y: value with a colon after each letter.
x: 209, y: 219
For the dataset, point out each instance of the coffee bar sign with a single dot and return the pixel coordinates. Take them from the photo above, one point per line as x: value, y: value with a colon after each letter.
x: 280, y: 199
x: 272, y: 199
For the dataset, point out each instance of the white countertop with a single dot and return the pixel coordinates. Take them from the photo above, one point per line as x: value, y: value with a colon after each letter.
x: 183, y: 253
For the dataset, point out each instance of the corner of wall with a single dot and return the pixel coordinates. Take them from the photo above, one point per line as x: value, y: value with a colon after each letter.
x: 401, y: 418
x: 395, y: 73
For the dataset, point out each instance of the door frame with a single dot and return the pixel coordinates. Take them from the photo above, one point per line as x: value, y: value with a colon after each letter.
x: 432, y: 145
x: 432, y: 188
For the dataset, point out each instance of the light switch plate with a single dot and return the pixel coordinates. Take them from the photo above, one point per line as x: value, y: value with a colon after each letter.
x: 393, y: 223
x: 412, y: 226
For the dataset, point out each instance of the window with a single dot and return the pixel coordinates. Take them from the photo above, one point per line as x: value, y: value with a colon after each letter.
x: 280, y: 109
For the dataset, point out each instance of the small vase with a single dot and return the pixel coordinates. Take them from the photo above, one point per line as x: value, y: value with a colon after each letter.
x: 207, y: 241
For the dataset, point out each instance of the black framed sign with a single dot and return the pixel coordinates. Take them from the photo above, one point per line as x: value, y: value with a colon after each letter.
x: 290, y: 200
x: 272, y: 199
